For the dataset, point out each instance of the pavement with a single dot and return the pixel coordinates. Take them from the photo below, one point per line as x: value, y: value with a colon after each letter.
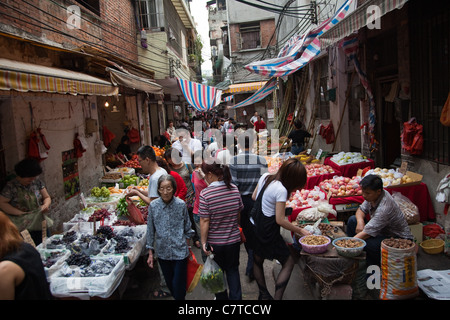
x: 140, y: 282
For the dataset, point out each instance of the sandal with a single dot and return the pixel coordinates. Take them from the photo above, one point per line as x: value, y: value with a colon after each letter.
x: 159, y: 294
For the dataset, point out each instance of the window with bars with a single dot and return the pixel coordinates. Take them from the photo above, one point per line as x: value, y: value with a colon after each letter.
x: 151, y: 14
x: 250, y: 36
x: 430, y: 74
x: 321, y: 75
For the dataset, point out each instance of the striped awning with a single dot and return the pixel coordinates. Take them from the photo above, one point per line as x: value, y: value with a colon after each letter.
x: 361, y: 17
x: 132, y: 81
x: 245, y: 87
x: 22, y: 76
x: 200, y: 96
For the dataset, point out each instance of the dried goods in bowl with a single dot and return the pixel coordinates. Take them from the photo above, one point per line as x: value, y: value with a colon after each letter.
x: 314, y: 243
x: 349, y: 246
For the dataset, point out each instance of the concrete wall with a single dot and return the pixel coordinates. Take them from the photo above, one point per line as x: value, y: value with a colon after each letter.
x: 59, y: 117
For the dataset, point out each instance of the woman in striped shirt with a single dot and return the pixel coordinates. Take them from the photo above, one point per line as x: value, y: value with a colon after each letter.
x: 219, y: 208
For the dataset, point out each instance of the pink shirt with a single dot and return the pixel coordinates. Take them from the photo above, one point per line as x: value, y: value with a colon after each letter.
x: 199, y: 185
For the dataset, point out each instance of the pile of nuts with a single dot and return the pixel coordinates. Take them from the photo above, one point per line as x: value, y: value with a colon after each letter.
x: 323, y: 227
x: 349, y: 243
x: 314, y: 240
x: 398, y: 243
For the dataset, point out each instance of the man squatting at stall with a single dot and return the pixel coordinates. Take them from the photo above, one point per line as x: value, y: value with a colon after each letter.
x: 386, y: 219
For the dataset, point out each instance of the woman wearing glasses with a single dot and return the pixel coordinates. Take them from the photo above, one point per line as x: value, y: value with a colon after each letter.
x: 168, y: 232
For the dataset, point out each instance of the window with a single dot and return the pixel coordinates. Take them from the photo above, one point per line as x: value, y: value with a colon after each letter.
x: 150, y: 14
x: 321, y: 75
x: 430, y: 76
x: 250, y: 36
x: 92, y: 5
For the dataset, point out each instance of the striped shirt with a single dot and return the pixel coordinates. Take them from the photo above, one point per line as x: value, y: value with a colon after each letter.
x: 246, y: 168
x: 386, y: 218
x: 222, y: 206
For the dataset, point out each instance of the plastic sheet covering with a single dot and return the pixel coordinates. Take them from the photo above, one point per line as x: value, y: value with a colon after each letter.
x: 331, y: 271
x: 69, y: 280
x: 108, y: 265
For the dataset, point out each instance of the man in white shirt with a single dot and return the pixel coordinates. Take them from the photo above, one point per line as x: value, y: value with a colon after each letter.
x: 254, y: 118
x: 186, y: 145
x: 147, y: 160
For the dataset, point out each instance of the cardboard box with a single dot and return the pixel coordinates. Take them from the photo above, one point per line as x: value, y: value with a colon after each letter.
x: 417, y: 179
x: 417, y: 232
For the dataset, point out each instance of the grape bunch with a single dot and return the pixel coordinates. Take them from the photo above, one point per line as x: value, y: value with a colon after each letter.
x: 78, y: 259
x: 105, y: 231
x: 100, y: 192
x: 99, y: 215
x: 69, y: 237
x: 121, y: 245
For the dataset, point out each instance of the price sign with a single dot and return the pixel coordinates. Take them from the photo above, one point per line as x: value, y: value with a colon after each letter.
x: 319, y: 153
x: 403, y: 167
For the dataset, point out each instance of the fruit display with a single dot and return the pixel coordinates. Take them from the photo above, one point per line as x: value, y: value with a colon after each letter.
x: 129, y: 180
x: 343, y: 158
x: 102, y: 192
x: 391, y: 177
x: 99, y: 215
x: 341, y: 186
x: 273, y: 164
x: 132, y: 163
x: 305, y: 198
x: 317, y: 169
x: 143, y: 182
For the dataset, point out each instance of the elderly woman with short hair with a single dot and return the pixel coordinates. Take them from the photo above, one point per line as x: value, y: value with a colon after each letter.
x: 168, y: 232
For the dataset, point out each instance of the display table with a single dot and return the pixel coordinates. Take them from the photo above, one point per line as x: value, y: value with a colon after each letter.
x: 418, y: 194
x: 313, y: 181
x: 329, y: 270
x: 349, y: 170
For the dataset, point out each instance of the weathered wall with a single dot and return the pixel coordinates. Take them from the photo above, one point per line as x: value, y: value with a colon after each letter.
x: 59, y: 117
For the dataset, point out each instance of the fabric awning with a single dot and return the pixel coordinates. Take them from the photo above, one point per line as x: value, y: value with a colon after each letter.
x: 358, y: 19
x: 200, y: 96
x: 132, y: 81
x: 22, y: 76
x: 245, y: 87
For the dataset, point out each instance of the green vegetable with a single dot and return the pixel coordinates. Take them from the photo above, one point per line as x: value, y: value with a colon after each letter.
x: 213, y: 280
x: 122, y: 207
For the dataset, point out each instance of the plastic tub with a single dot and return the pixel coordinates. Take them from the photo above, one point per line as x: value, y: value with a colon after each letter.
x: 314, y: 248
x: 349, y: 252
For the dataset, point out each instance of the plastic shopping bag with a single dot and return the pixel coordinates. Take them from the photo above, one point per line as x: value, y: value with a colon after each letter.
x: 194, y: 270
x: 212, y: 277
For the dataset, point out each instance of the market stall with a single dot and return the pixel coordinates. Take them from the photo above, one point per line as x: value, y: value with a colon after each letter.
x: 99, y: 244
x: 348, y: 163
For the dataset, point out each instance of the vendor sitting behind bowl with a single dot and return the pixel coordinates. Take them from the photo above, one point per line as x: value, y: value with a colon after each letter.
x: 386, y: 219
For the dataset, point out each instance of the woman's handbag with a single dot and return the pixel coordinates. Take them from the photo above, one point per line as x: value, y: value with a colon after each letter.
x: 194, y: 270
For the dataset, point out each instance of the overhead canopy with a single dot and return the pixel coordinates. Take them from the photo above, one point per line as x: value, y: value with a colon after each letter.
x: 361, y: 17
x: 132, y: 81
x: 245, y: 87
x: 297, y: 53
x: 200, y: 96
x: 265, y: 91
x: 22, y: 76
